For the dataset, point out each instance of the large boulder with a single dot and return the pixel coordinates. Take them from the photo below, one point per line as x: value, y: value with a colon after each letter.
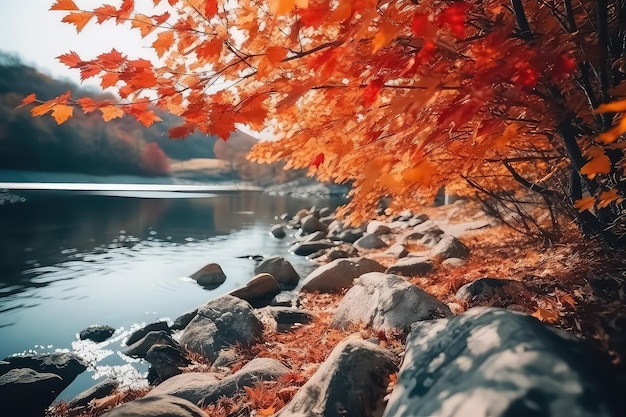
x: 411, y: 266
x: 97, y: 333
x: 210, y: 276
x: 259, y: 290
x: 386, y: 302
x: 66, y: 365
x: 498, y: 363
x: 351, y: 382
x: 222, y: 322
x: 282, y: 271
x: 339, y: 274
x: 25, y: 392
x: 157, y: 406
x: 204, y: 388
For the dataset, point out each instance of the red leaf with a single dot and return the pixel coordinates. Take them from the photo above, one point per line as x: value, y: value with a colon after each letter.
x: 87, y: 104
x: 180, y: 132
x: 78, y: 19
x: 454, y: 16
x: 210, y: 8
x: 418, y: 25
x: 27, y: 100
x: 315, y: 14
x: 372, y: 91
x: 318, y: 160
x: 64, y: 5
x: 111, y: 60
x: 71, y: 59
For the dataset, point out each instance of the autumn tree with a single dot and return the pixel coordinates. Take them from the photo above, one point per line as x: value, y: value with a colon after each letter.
x: 397, y: 98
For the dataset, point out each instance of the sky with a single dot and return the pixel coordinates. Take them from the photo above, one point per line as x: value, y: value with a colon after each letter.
x: 28, y: 29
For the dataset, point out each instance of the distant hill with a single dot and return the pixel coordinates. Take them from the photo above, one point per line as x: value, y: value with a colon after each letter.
x: 85, y: 143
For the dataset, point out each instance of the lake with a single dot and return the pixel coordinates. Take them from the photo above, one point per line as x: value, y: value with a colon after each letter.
x: 70, y: 259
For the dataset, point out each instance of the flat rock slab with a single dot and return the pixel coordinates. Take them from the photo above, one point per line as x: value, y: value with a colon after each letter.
x: 351, y: 382
x: 100, y: 390
x: 309, y: 248
x: 498, y: 363
x: 387, y: 302
x: 157, y: 406
x: 66, y: 365
x: 222, y: 322
x: 152, y: 327
x: 204, y: 388
x: 339, y: 274
x: 411, y: 266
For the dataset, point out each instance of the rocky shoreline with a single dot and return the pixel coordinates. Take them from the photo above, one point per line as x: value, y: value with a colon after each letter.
x: 385, y: 346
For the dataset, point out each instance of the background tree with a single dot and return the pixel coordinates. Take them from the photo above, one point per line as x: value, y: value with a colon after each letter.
x: 396, y: 97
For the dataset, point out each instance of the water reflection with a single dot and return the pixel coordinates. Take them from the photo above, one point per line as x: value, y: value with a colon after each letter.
x: 72, y: 260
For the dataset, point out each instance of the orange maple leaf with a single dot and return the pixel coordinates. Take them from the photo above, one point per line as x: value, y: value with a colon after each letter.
x: 64, y: 5
x: 87, y: 104
x: 599, y: 164
x: 163, y: 42
x: 70, y: 59
x: 79, y: 19
x: 111, y: 112
x: 27, y: 100
x: 586, y: 203
x: 104, y: 13
x: 144, y: 24
x: 62, y: 112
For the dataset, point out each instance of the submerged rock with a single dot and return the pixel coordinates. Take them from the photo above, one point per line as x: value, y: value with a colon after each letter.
x: 97, y: 333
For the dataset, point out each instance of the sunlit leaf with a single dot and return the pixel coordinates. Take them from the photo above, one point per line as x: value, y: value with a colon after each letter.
x: 62, y: 112
x: 111, y: 112
x: 78, y: 19
x: 64, y: 5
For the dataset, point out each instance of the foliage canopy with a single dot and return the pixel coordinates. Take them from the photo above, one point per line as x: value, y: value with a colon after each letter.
x: 397, y: 98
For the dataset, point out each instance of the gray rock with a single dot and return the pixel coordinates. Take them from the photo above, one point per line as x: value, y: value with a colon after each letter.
x: 417, y: 219
x: 282, y: 271
x: 157, y: 406
x: 166, y: 360
x: 278, y: 231
x: 285, y: 299
x: 386, y: 302
x: 314, y: 237
x: 308, y: 248
x: 376, y: 227
x: 204, y: 389
x: 140, y: 348
x: 286, y: 317
x: 311, y: 223
x: 454, y: 262
x: 226, y: 359
x: 430, y: 241
x: 66, y: 365
x: 339, y: 274
x: 222, y: 322
x: 210, y: 276
x: 497, y: 363
x: 427, y: 228
x: 450, y: 247
x: 183, y: 320
x: 350, y: 235
x: 100, y: 390
x: 25, y: 392
x: 340, y: 253
x: 411, y: 266
x: 327, y: 220
x: 326, y: 212
x: 152, y: 327
x: 97, y: 333
x: 351, y: 382
x: 259, y: 290
x: 486, y: 288
x: 368, y: 241
x: 397, y: 250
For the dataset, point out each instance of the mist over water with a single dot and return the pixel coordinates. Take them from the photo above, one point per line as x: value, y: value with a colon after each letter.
x: 72, y: 259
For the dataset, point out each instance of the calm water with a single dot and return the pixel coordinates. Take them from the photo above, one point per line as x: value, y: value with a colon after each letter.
x: 72, y: 259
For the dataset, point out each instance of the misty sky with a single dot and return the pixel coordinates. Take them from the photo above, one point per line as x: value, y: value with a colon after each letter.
x: 37, y: 35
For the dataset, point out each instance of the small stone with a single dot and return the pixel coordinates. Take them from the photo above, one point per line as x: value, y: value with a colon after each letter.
x: 278, y: 231
x: 97, y: 333
x: 210, y: 276
x: 369, y: 241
